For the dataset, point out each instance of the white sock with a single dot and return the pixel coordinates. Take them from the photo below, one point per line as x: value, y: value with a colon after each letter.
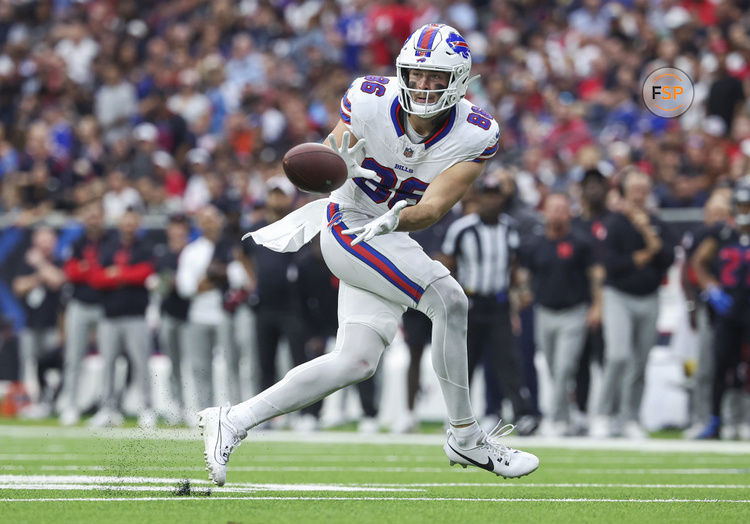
x: 468, y: 437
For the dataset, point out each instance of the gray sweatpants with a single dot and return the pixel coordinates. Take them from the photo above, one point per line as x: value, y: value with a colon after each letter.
x: 80, y: 318
x: 34, y: 343
x: 199, y: 343
x: 629, y: 323
x: 131, y: 334
x: 560, y: 335
x: 171, y: 340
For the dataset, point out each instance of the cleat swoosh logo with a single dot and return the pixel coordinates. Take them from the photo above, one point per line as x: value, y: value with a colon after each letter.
x: 490, y: 466
x: 217, y: 454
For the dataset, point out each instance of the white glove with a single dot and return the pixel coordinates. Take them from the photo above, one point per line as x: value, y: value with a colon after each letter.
x: 354, y: 170
x: 385, y: 223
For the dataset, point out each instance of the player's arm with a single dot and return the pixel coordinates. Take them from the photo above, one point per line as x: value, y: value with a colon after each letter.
x: 713, y: 293
x: 440, y: 196
x: 701, y: 260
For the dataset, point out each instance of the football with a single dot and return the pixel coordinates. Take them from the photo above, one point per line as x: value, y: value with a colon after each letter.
x: 314, y: 168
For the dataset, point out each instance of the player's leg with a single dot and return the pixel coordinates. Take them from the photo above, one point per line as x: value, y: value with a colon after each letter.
x: 644, y: 338
x: 138, y: 346
x: 199, y: 347
x: 569, y: 345
x: 171, y: 344
x: 618, y: 337
x: 109, y: 348
x: 727, y: 342
x: 78, y: 318
x: 367, y: 325
x: 445, y: 303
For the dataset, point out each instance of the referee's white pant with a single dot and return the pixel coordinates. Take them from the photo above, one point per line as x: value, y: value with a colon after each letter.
x: 560, y: 334
x: 629, y: 323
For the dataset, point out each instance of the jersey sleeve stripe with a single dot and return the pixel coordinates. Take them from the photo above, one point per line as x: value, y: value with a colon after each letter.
x: 346, y: 102
x: 346, y: 118
x: 491, y: 150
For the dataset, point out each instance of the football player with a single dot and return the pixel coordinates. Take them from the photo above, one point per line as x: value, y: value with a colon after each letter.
x: 413, y: 145
x: 728, y: 295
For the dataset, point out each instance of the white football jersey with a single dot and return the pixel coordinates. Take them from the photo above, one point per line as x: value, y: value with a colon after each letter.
x: 371, y: 110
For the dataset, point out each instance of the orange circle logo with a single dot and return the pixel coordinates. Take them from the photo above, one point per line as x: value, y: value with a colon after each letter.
x: 668, y: 92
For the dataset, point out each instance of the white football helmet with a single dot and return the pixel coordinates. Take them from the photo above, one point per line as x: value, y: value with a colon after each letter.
x: 434, y: 47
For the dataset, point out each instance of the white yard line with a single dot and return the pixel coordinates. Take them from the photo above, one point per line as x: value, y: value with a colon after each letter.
x: 389, y: 469
x: 386, y: 439
x: 96, y: 482
x: 375, y: 499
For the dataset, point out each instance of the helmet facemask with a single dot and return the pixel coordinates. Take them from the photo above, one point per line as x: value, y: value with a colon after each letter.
x: 446, y: 98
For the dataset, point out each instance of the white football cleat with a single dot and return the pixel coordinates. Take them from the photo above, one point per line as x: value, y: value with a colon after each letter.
x: 491, y: 455
x: 220, y: 438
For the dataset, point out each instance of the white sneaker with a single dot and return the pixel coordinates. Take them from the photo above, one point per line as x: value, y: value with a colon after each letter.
x: 729, y: 432
x: 556, y: 428
x: 368, y: 425
x: 69, y: 417
x: 599, y: 427
x: 35, y: 411
x: 406, y: 423
x: 220, y: 439
x: 491, y: 455
x: 106, y: 418
x: 307, y: 423
x: 634, y: 431
x: 147, y: 419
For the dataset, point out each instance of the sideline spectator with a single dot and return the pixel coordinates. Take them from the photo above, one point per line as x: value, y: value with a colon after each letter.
x: 202, y: 279
x: 567, y: 297
x: 125, y: 263
x: 717, y: 211
x: 591, y: 224
x: 729, y: 297
x: 173, y: 312
x: 639, y: 253
x: 38, y: 284
x: 84, y: 310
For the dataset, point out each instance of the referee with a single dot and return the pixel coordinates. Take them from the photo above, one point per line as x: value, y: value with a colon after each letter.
x: 480, y: 248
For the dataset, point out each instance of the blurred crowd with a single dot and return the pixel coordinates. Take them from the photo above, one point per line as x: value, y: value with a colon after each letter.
x: 168, y: 105
x: 111, y: 111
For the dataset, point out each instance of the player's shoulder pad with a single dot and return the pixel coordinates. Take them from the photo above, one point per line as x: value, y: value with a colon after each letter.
x: 366, y: 97
x: 481, y: 130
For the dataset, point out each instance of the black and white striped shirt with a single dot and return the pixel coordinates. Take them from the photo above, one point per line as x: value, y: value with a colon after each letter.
x: 483, y: 253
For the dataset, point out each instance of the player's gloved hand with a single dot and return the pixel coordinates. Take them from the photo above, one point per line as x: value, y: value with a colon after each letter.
x: 385, y: 223
x: 349, y: 154
x: 719, y: 299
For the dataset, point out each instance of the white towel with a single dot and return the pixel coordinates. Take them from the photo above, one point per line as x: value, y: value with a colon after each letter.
x: 294, y: 230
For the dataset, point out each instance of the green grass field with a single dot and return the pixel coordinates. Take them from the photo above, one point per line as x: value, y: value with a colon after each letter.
x: 52, y: 474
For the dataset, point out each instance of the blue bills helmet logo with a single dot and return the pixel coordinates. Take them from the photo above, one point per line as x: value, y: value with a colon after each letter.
x: 458, y: 44
x: 335, y: 219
